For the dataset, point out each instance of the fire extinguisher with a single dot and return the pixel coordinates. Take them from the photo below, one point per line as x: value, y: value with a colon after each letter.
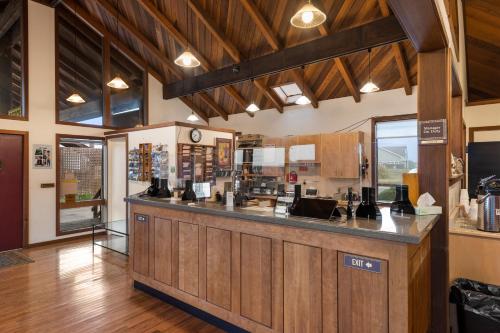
x: 292, y: 177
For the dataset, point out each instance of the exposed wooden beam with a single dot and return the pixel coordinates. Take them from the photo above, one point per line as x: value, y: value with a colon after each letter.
x: 84, y: 15
x: 398, y: 53
x: 49, y: 3
x: 9, y: 16
x: 195, y: 109
x: 298, y: 77
x: 213, y: 105
x: 348, y: 78
x: 209, y: 23
x: 421, y: 22
x: 271, y: 95
x: 261, y: 23
x: 178, y: 36
x: 376, y: 33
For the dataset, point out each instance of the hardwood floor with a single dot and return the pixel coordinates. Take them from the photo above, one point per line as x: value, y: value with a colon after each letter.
x: 69, y: 289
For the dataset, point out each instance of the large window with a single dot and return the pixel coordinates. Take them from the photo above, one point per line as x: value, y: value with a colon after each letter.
x: 80, y: 180
x: 86, y: 62
x: 396, y: 153
x: 13, y: 81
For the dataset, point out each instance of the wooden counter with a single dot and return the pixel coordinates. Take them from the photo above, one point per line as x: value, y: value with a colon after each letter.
x: 276, y: 278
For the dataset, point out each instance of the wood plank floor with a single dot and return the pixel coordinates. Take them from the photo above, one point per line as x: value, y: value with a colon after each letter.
x: 69, y: 289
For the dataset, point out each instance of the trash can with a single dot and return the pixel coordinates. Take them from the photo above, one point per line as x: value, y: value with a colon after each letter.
x: 477, y: 306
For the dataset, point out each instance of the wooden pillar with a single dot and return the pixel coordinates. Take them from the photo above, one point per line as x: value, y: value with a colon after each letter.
x: 434, y: 102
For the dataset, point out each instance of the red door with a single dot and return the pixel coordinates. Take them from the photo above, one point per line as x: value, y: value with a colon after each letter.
x: 11, y: 192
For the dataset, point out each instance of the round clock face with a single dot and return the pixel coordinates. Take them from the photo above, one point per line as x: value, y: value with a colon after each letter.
x: 195, y: 135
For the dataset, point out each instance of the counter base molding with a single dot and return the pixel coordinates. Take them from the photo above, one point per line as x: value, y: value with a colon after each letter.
x: 274, y: 278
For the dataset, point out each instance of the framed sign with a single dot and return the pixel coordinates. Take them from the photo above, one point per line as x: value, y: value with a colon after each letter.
x: 42, y: 157
x: 224, y: 154
x: 432, y: 131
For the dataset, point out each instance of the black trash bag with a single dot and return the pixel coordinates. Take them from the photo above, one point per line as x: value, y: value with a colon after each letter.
x: 478, y: 304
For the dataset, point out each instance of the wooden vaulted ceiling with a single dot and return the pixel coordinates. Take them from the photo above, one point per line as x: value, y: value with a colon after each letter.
x: 482, y: 33
x: 225, y: 32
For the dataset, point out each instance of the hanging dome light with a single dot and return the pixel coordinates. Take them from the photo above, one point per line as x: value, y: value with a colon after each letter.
x: 369, y: 87
x: 117, y: 83
x: 187, y: 59
x: 75, y: 98
x: 308, y: 17
x: 252, y: 108
x: 303, y: 100
x: 192, y: 117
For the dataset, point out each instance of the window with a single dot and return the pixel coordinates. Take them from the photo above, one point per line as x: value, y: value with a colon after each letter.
x: 396, y: 153
x: 288, y: 93
x: 79, y: 70
x: 13, y: 82
x: 80, y: 183
x: 84, y: 65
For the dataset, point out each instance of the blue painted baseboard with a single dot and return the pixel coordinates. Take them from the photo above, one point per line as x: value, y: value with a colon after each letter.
x: 223, y: 325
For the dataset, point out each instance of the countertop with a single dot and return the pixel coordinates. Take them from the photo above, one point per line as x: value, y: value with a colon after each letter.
x: 467, y: 227
x: 410, y: 229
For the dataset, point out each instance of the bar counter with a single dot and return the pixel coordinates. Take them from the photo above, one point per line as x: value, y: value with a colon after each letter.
x: 269, y: 273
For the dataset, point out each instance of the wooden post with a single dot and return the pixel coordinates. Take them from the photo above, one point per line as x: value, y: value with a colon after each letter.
x: 434, y: 102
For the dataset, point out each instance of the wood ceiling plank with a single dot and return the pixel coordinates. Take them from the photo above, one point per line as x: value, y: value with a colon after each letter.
x: 213, y: 105
x: 209, y: 23
x: 261, y: 84
x: 261, y: 24
x: 348, y: 78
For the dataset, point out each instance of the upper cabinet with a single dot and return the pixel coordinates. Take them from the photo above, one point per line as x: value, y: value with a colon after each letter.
x: 337, y: 153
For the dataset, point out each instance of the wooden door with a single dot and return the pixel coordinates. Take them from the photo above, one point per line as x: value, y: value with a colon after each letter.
x: 218, y: 267
x: 11, y: 192
x: 362, y: 298
x: 163, y: 250
x: 256, y: 278
x: 141, y: 244
x: 302, y: 289
x: 330, y: 155
x: 349, y: 155
x: 188, y: 260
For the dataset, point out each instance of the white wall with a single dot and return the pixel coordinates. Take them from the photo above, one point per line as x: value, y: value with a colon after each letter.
x: 161, y: 110
x: 332, y: 115
x: 41, y: 125
x: 116, y: 179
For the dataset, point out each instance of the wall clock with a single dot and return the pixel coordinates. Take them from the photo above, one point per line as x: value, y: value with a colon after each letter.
x: 195, y: 135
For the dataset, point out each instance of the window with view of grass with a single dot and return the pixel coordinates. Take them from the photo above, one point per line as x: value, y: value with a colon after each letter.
x: 396, y: 149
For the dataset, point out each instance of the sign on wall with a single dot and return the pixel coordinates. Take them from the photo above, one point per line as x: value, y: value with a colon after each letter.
x: 432, y: 131
x: 42, y: 157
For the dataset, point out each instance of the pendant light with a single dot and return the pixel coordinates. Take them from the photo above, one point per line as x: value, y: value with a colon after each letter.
x: 252, y: 107
x: 369, y: 86
x: 187, y: 59
x: 303, y: 100
x: 308, y: 17
x: 192, y: 117
x: 117, y: 82
x: 75, y: 96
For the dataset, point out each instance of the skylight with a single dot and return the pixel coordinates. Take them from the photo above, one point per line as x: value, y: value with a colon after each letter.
x: 288, y: 93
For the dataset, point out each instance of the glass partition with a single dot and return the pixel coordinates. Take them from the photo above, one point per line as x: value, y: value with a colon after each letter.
x: 80, y: 180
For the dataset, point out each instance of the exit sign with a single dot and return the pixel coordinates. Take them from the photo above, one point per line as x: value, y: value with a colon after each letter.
x: 363, y: 263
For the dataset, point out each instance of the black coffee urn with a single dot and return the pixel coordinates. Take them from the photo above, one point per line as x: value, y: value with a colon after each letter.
x: 368, y: 207
x: 402, y: 202
x: 189, y: 194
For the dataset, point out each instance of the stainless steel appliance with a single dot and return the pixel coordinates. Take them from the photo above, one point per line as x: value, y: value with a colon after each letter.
x: 489, y: 204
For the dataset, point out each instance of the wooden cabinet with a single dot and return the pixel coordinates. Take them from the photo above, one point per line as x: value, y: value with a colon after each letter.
x: 141, y: 244
x: 278, y: 279
x: 340, y: 154
x: 312, y: 140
